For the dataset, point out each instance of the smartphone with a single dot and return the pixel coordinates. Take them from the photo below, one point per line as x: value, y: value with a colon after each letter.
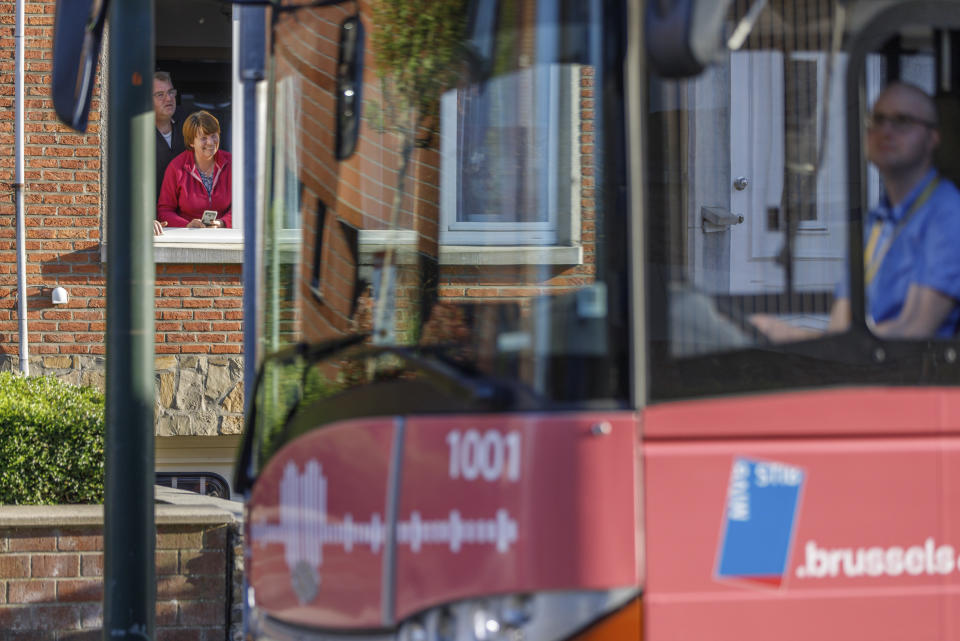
x: 209, y: 216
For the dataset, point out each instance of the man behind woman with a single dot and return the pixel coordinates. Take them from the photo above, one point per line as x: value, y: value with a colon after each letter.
x: 198, y: 180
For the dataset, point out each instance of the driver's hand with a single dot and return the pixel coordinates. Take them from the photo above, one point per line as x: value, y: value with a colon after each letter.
x: 195, y: 223
x: 778, y: 331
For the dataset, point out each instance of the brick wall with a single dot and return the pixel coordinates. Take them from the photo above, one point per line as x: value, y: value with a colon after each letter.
x: 199, y: 308
x: 51, y: 574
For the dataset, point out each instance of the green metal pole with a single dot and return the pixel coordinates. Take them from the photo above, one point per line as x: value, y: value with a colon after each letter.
x: 129, y: 532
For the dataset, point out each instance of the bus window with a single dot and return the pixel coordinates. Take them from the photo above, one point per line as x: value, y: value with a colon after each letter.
x: 751, y: 175
x: 911, y: 269
x: 766, y: 185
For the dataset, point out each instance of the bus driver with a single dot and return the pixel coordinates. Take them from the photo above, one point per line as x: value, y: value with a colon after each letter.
x: 911, y: 260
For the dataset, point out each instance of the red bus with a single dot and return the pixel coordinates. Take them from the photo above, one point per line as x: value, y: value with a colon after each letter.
x: 515, y: 257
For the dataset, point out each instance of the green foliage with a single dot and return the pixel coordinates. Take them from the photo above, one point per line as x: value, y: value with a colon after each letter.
x: 416, y: 47
x: 51, y: 442
x: 286, y: 387
x: 418, y: 54
x: 507, y: 43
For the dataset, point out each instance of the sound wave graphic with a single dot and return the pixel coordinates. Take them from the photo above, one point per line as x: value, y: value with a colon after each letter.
x: 305, y: 526
x: 454, y: 531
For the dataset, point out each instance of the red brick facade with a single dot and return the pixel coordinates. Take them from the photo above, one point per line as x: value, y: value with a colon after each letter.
x: 198, y: 306
x: 199, y: 309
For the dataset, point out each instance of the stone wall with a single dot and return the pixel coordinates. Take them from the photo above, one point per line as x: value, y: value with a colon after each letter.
x: 196, y: 394
x: 199, y: 395
x: 51, y: 570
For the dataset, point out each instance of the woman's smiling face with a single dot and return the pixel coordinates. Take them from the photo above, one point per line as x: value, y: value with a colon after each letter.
x: 205, y: 145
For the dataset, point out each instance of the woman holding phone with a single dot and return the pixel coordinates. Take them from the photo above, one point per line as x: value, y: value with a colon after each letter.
x: 196, y: 186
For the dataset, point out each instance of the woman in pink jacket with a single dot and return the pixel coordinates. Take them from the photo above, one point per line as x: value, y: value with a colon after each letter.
x: 198, y: 180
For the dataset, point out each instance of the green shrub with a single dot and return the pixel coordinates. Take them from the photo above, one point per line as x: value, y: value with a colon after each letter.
x: 51, y: 442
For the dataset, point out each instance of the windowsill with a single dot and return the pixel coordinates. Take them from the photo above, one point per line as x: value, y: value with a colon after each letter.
x: 511, y: 255
x: 182, y: 245
x: 404, y: 242
x: 225, y: 246
x: 374, y: 242
x: 213, y: 246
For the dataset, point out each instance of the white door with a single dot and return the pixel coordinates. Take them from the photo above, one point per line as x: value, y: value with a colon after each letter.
x: 757, y: 145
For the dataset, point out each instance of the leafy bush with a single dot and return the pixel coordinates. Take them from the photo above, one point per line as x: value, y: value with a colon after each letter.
x: 51, y: 442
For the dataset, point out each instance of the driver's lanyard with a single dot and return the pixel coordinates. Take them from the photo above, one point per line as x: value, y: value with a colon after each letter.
x: 872, y: 257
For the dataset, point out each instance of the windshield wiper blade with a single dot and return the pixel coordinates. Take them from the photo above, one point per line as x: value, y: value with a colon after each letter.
x: 459, y: 380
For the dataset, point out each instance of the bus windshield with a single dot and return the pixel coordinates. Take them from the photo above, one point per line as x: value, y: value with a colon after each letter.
x: 440, y: 196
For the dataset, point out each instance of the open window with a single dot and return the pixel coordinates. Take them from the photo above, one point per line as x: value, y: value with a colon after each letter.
x: 195, y: 44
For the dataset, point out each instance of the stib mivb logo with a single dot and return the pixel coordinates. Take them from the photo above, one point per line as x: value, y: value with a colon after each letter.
x: 760, y: 516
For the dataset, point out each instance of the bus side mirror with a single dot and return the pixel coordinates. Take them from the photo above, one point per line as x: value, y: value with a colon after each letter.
x: 77, y: 34
x: 349, y: 84
x: 683, y: 37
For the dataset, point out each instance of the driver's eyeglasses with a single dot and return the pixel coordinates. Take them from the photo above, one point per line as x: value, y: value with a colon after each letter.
x: 898, y: 122
x: 169, y: 93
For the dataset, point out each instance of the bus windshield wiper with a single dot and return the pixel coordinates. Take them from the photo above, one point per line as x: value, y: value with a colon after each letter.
x: 461, y: 381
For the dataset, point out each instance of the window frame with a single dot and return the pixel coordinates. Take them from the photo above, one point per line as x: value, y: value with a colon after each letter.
x: 208, y: 246
x: 562, y: 227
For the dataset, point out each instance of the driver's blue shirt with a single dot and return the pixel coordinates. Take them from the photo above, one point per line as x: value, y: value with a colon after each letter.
x: 925, y: 252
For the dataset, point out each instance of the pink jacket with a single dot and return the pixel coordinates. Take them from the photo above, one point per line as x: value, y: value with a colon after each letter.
x: 183, y: 196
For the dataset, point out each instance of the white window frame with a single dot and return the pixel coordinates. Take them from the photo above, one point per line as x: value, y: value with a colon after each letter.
x: 562, y: 227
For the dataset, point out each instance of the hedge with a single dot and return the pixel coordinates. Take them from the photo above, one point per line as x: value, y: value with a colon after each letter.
x: 51, y: 441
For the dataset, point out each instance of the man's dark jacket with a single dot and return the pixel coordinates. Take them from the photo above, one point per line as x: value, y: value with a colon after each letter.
x: 165, y: 154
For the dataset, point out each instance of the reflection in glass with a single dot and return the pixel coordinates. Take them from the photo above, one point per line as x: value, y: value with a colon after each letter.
x: 756, y: 142
x: 463, y: 239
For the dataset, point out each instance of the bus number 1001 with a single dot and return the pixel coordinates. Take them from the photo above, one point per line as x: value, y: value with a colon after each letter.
x: 490, y: 456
